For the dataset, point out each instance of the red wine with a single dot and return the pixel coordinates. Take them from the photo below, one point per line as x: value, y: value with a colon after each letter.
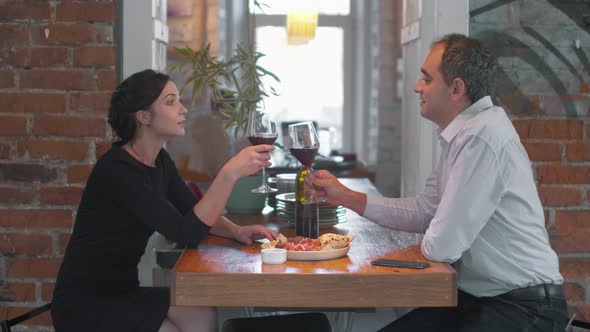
x: 304, y: 155
x: 266, y: 139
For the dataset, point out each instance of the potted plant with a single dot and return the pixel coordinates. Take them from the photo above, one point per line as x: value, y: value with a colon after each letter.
x: 235, y: 85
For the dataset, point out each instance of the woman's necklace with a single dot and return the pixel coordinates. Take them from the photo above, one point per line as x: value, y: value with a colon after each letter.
x: 142, y: 159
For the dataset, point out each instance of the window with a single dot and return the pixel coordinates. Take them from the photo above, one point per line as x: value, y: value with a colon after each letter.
x: 325, y: 80
x: 312, y: 74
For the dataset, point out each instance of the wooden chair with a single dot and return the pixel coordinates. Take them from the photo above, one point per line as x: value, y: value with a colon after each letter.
x: 309, y: 322
x: 7, y: 324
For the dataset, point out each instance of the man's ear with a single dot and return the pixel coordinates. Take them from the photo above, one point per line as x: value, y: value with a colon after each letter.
x: 459, y: 87
x: 143, y: 117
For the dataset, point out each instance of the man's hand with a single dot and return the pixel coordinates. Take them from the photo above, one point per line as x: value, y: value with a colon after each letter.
x: 247, y: 234
x: 323, y: 184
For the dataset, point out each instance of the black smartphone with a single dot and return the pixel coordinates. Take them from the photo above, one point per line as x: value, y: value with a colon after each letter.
x: 398, y: 263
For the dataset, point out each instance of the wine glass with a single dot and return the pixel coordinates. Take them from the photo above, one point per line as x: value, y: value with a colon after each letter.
x: 304, y: 144
x: 262, y: 129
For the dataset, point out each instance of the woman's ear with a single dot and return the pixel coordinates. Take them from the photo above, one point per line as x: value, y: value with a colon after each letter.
x: 143, y: 117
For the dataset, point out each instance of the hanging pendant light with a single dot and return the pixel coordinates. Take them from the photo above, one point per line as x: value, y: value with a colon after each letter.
x: 301, y: 26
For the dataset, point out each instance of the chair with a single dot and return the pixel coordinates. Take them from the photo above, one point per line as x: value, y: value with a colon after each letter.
x: 7, y: 324
x: 578, y: 323
x: 309, y: 322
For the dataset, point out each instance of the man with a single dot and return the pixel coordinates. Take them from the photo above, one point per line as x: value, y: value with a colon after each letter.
x: 479, y: 209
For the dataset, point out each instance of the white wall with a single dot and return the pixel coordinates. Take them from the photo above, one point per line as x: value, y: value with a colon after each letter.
x: 424, y: 22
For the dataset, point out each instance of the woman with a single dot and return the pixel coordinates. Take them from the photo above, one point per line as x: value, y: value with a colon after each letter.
x: 134, y: 189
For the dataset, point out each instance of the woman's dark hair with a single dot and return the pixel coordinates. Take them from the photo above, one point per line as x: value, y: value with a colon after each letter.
x: 137, y: 92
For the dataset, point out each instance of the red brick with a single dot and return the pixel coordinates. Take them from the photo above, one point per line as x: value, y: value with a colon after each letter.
x: 13, y: 125
x: 60, y: 150
x: 17, y: 292
x: 543, y: 151
x: 47, y: 291
x: 574, y: 292
x: 107, y: 80
x: 579, y: 151
x: 4, y: 151
x: 29, y: 9
x: 57, y: 79
x: 551, y: 129
x: 63, y: 241
x: 69, y: 126
x: 588, y: 131
x: 15, y: 56
x: 15, y: 102
x: 560, y: 196
x: 14, y: 34
x: 94, y: 56
x: 91, y: 12
x: 43, y: 319
x: 32, y: 267
x: 6, y: 79
x: 584, y: 87
x: 23, y: 172
x: 72, y: 34
x: 48, y: 56
x: 575, y: 268
x: 90, y: 101
x: 36, y: 219
x: 563, y: 174
x: 571, y: 231
x: 25, y: 244
x: 78, y: 173
x: 61, y: 195
x: 12, y: 195
x: 102, y: 147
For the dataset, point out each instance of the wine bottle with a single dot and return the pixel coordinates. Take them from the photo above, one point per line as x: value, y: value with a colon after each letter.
x: 306, y: 214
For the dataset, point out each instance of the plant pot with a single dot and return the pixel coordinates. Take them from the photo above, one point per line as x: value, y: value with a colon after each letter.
x: 242, y: 200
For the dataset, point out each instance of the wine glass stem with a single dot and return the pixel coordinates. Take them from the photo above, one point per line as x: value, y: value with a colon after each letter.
x: 264, y: 178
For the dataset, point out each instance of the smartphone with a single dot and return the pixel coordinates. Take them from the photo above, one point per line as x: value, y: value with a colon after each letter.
x: 398, y: 263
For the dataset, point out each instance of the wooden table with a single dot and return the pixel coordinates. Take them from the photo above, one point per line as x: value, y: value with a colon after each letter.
x: 224, y: 273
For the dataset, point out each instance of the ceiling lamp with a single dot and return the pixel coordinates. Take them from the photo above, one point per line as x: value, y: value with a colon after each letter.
x: 301, y: 26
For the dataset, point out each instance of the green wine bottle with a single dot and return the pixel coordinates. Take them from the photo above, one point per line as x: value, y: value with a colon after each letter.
x: 306, y: 214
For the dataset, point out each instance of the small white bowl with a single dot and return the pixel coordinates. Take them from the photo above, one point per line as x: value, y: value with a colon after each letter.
x: 273, y: 255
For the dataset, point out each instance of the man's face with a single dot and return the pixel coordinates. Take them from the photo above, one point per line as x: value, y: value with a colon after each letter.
x: 434, y: 92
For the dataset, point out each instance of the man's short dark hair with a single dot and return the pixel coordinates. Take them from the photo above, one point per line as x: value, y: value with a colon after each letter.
x: 469, y: 60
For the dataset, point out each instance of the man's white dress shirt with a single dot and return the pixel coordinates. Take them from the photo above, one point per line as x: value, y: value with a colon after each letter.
x: 480, y: 208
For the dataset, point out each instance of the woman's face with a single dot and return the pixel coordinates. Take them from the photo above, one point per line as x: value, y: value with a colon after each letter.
x: 167, y: 114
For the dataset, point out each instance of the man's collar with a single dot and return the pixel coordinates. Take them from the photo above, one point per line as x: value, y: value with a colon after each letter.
x: 459, y: 121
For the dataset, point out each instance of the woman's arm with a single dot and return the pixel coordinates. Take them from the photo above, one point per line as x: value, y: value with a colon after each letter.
x: 246, y: 234
x: 249, y: 161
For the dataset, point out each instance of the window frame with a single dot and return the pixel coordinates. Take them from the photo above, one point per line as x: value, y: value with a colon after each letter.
x: 355, y: 60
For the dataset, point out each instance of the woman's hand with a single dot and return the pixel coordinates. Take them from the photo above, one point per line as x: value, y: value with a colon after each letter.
x: 248, y: 161
x: 247, y: 234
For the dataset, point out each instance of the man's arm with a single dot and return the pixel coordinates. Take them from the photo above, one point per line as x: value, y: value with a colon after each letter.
x: 472, y: 193
x: 412, y: 214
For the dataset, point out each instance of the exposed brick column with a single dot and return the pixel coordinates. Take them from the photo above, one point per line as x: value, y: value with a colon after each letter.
x: 57, y: 71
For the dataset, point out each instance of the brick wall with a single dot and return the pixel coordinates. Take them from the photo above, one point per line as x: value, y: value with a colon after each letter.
x: 57, y: 71
x: 543, y: 84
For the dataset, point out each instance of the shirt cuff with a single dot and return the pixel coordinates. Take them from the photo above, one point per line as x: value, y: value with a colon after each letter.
x: 374, y: 206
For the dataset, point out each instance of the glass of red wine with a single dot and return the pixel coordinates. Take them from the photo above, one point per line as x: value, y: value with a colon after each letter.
x: 304, y: 144
x: 262, y: 129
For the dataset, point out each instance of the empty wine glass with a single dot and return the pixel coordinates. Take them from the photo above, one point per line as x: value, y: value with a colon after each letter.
x: 304, y: 144
x: 262, y: 129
